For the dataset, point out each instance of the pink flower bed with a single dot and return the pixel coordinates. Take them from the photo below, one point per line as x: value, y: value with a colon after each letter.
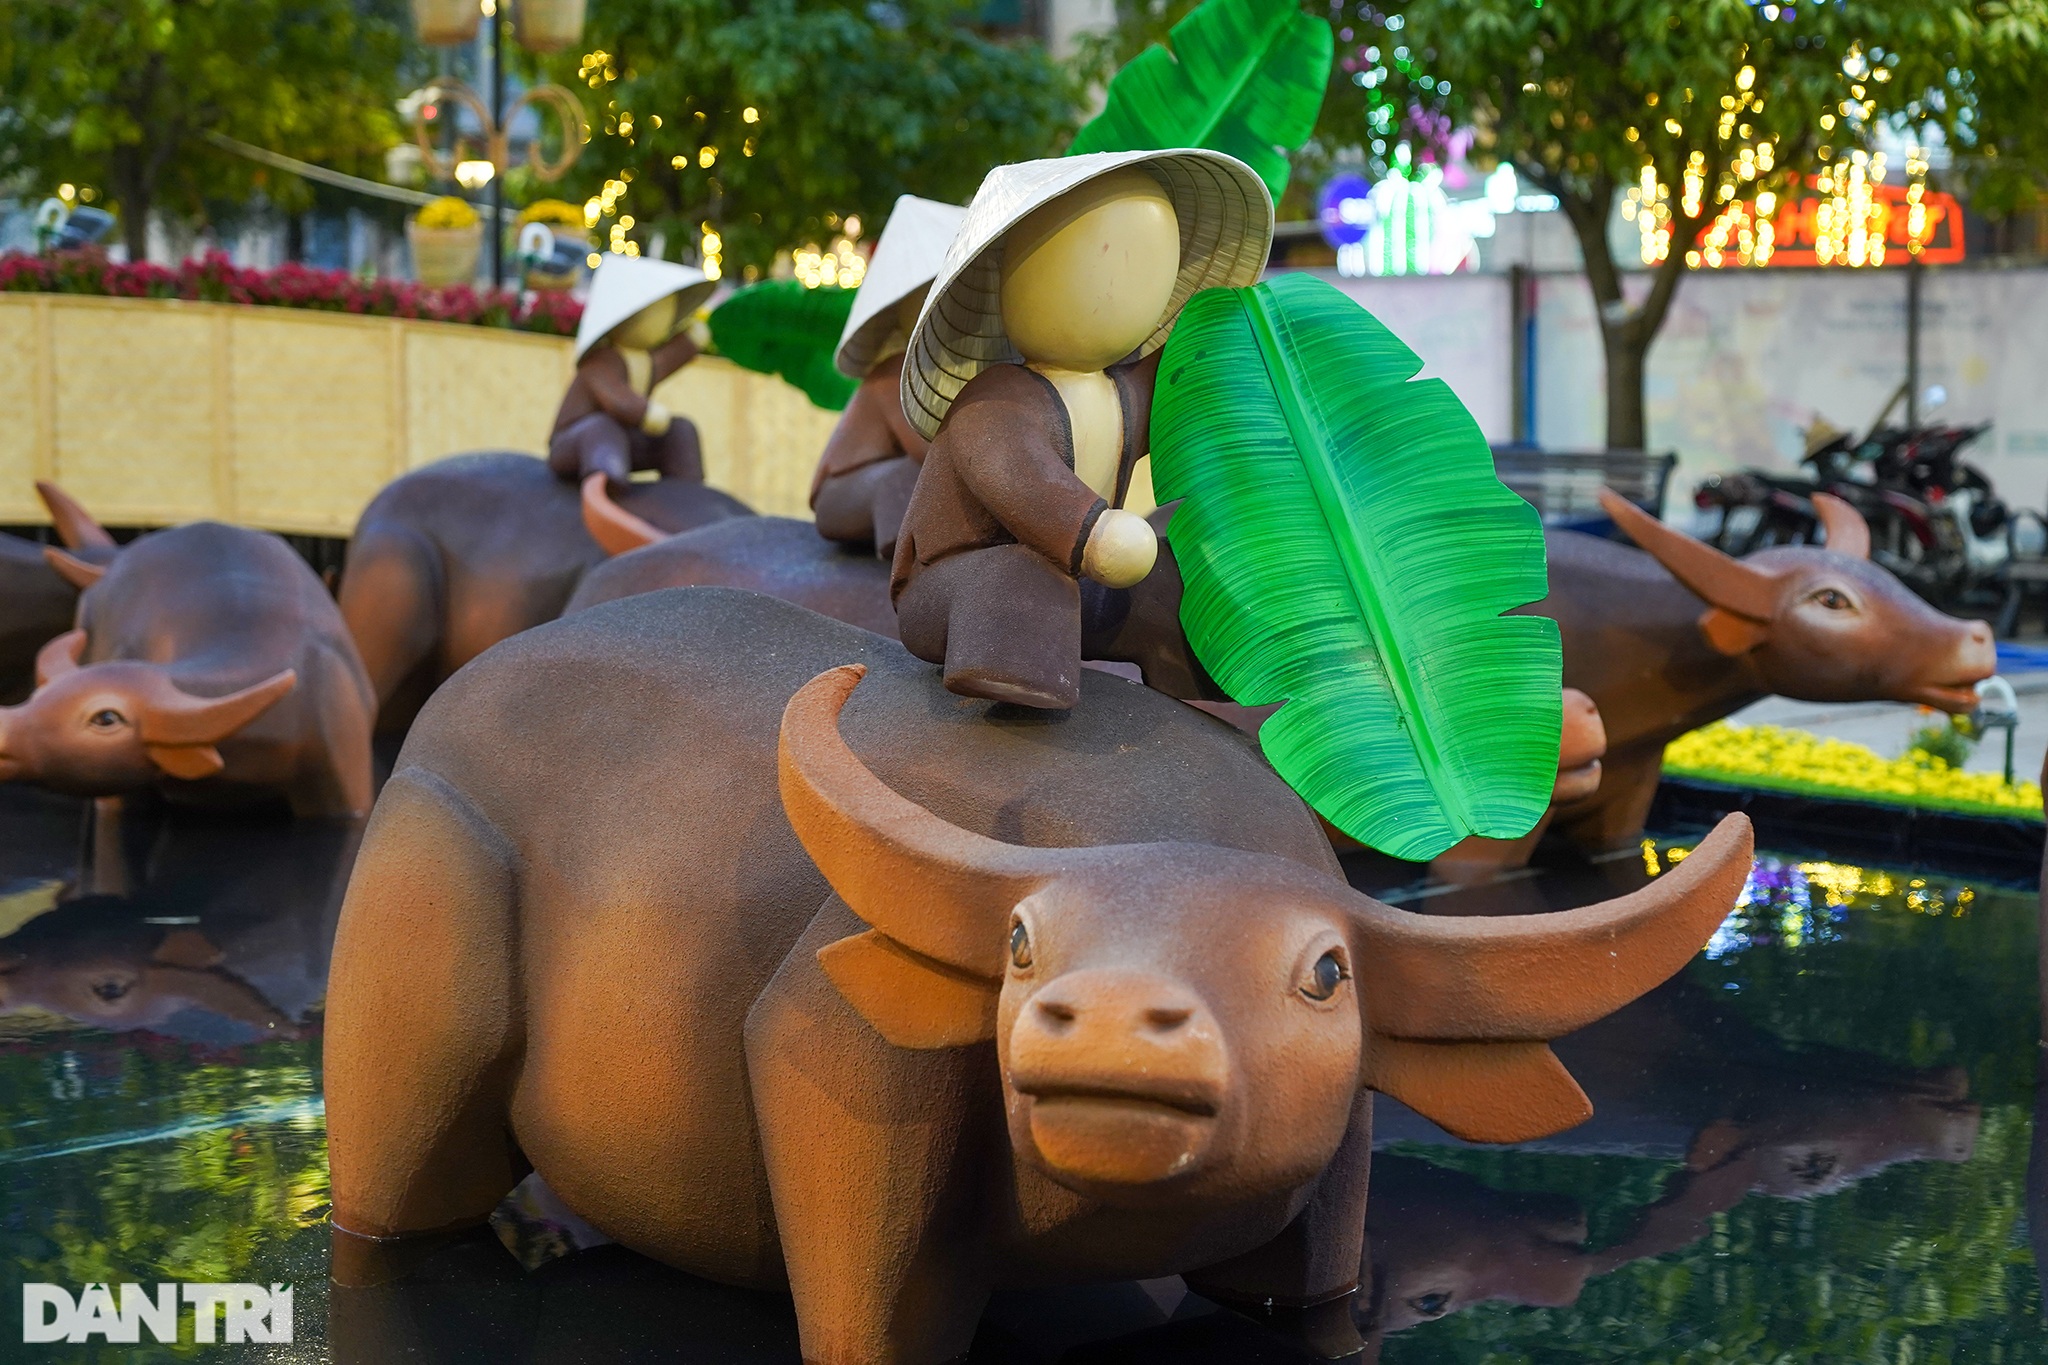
x: 216, y: 279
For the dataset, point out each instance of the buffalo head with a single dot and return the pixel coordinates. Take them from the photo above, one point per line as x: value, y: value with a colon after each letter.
x: 1822, y: 624
x: 116, y: 726
x: 1192, y: 1023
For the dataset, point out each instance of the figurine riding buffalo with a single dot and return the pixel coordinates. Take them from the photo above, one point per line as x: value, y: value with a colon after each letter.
x: 452, y: 558
x: 210, y: 665
x: 1140, y: 627
x: 1676, y: 635
x: 972, y: 996
x: 36, y: 602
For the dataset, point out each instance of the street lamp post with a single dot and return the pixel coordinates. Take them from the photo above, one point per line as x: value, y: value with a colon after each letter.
x: 552, y: 25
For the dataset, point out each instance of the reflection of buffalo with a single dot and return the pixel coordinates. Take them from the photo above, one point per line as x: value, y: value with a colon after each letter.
x: 1675, y: 1073
x: 226, y: 941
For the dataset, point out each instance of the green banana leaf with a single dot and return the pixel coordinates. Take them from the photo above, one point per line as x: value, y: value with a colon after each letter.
x: 779, y: 327
x: 1348, y: 549
x: 1239, y: 76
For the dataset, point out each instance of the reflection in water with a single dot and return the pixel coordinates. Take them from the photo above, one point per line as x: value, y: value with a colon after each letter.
x: 1811, y: 1145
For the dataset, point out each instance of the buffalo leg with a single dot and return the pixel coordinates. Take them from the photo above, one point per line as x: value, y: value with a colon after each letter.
x: 420, y: 1063
x: 391, y: 599
x: 1614, y: 816
x: 1302, y: 1281
x: 677, y: 453
x: 1003, y: 620
x: 871, y: 1158
x: 339, y: 787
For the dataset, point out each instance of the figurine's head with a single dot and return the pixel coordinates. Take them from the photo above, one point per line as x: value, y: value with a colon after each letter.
x: 639, y: 302
x: 1087, y: 277
x: 1822, y: 624
x: 906, y: 257
x: 1078, y: 262
x: 107, y: 728
x: 649, y: 327
x: 1191, y: 1025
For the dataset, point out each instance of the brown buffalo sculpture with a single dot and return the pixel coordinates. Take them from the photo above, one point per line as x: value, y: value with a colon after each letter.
x: 968, y: 996
x: 1676, y: 635
x: 210, y: 665
x: 36, y: 602
x: 450, y: 559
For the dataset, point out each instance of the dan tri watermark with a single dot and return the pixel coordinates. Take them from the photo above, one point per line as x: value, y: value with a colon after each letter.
x: 220, y: 1312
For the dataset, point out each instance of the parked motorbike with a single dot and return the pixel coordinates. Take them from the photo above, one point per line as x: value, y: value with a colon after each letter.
x: 1935, y: 519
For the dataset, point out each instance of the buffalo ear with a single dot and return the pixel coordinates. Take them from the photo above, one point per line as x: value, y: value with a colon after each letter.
x: 1481, y: 1092
x: 187, y: 948
x: 189, y: 761
x: 1714, y: 1144
x: 912, y: 1000
x: 59, y: 657
x: 79, y: 573
x: 1730, y: 634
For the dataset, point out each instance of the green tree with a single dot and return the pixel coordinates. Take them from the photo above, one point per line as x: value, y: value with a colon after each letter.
x: 1715, y: 99
x: 771, y: 121
x: 120, y: 95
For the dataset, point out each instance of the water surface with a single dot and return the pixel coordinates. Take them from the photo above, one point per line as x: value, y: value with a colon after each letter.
x: 1813, y: 1145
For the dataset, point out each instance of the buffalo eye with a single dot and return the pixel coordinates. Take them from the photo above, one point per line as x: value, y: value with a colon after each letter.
x: 1324, y: 977
x: 107, y: 718
x: 1832, y: 599
x: 1432, y: 1305
x: 110, y: 990
x: 1020, y: 946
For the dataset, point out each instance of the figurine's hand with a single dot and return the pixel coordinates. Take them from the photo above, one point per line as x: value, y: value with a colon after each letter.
x: 655, y: 423
x: 1120, y: 550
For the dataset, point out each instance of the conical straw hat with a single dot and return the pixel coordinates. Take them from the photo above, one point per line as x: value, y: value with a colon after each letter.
x: 624, y: 285
x: 1226, y: 233
x: 913, y: 244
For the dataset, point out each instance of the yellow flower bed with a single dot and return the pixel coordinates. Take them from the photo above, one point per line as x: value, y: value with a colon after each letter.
x: 1772, y: 758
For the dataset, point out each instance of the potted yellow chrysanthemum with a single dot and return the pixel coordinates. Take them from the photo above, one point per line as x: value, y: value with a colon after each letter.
x: 568, y: 223
x: 446, y: 237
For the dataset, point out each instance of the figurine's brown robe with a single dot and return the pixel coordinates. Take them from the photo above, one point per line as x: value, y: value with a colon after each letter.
x: 862, y: 486
x: 988, y: 562
x: 597, y: 428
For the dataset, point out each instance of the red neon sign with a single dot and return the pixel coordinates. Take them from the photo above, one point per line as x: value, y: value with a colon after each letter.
x: 1875, y: 225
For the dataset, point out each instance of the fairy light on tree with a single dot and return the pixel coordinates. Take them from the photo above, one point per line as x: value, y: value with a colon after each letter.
x: 747, y: 121
x: 1689, y: 114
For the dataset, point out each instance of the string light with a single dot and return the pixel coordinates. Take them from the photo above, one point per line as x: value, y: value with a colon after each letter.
x: 839, y: 264
x: 711, y: 247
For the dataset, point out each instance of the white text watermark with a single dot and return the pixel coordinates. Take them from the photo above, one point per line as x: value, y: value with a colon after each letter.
x: 220, y: 1312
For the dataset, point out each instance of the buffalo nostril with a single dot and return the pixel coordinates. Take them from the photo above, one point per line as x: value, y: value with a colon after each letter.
x: 1165, y: 1020
x: 1058, y: 1012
